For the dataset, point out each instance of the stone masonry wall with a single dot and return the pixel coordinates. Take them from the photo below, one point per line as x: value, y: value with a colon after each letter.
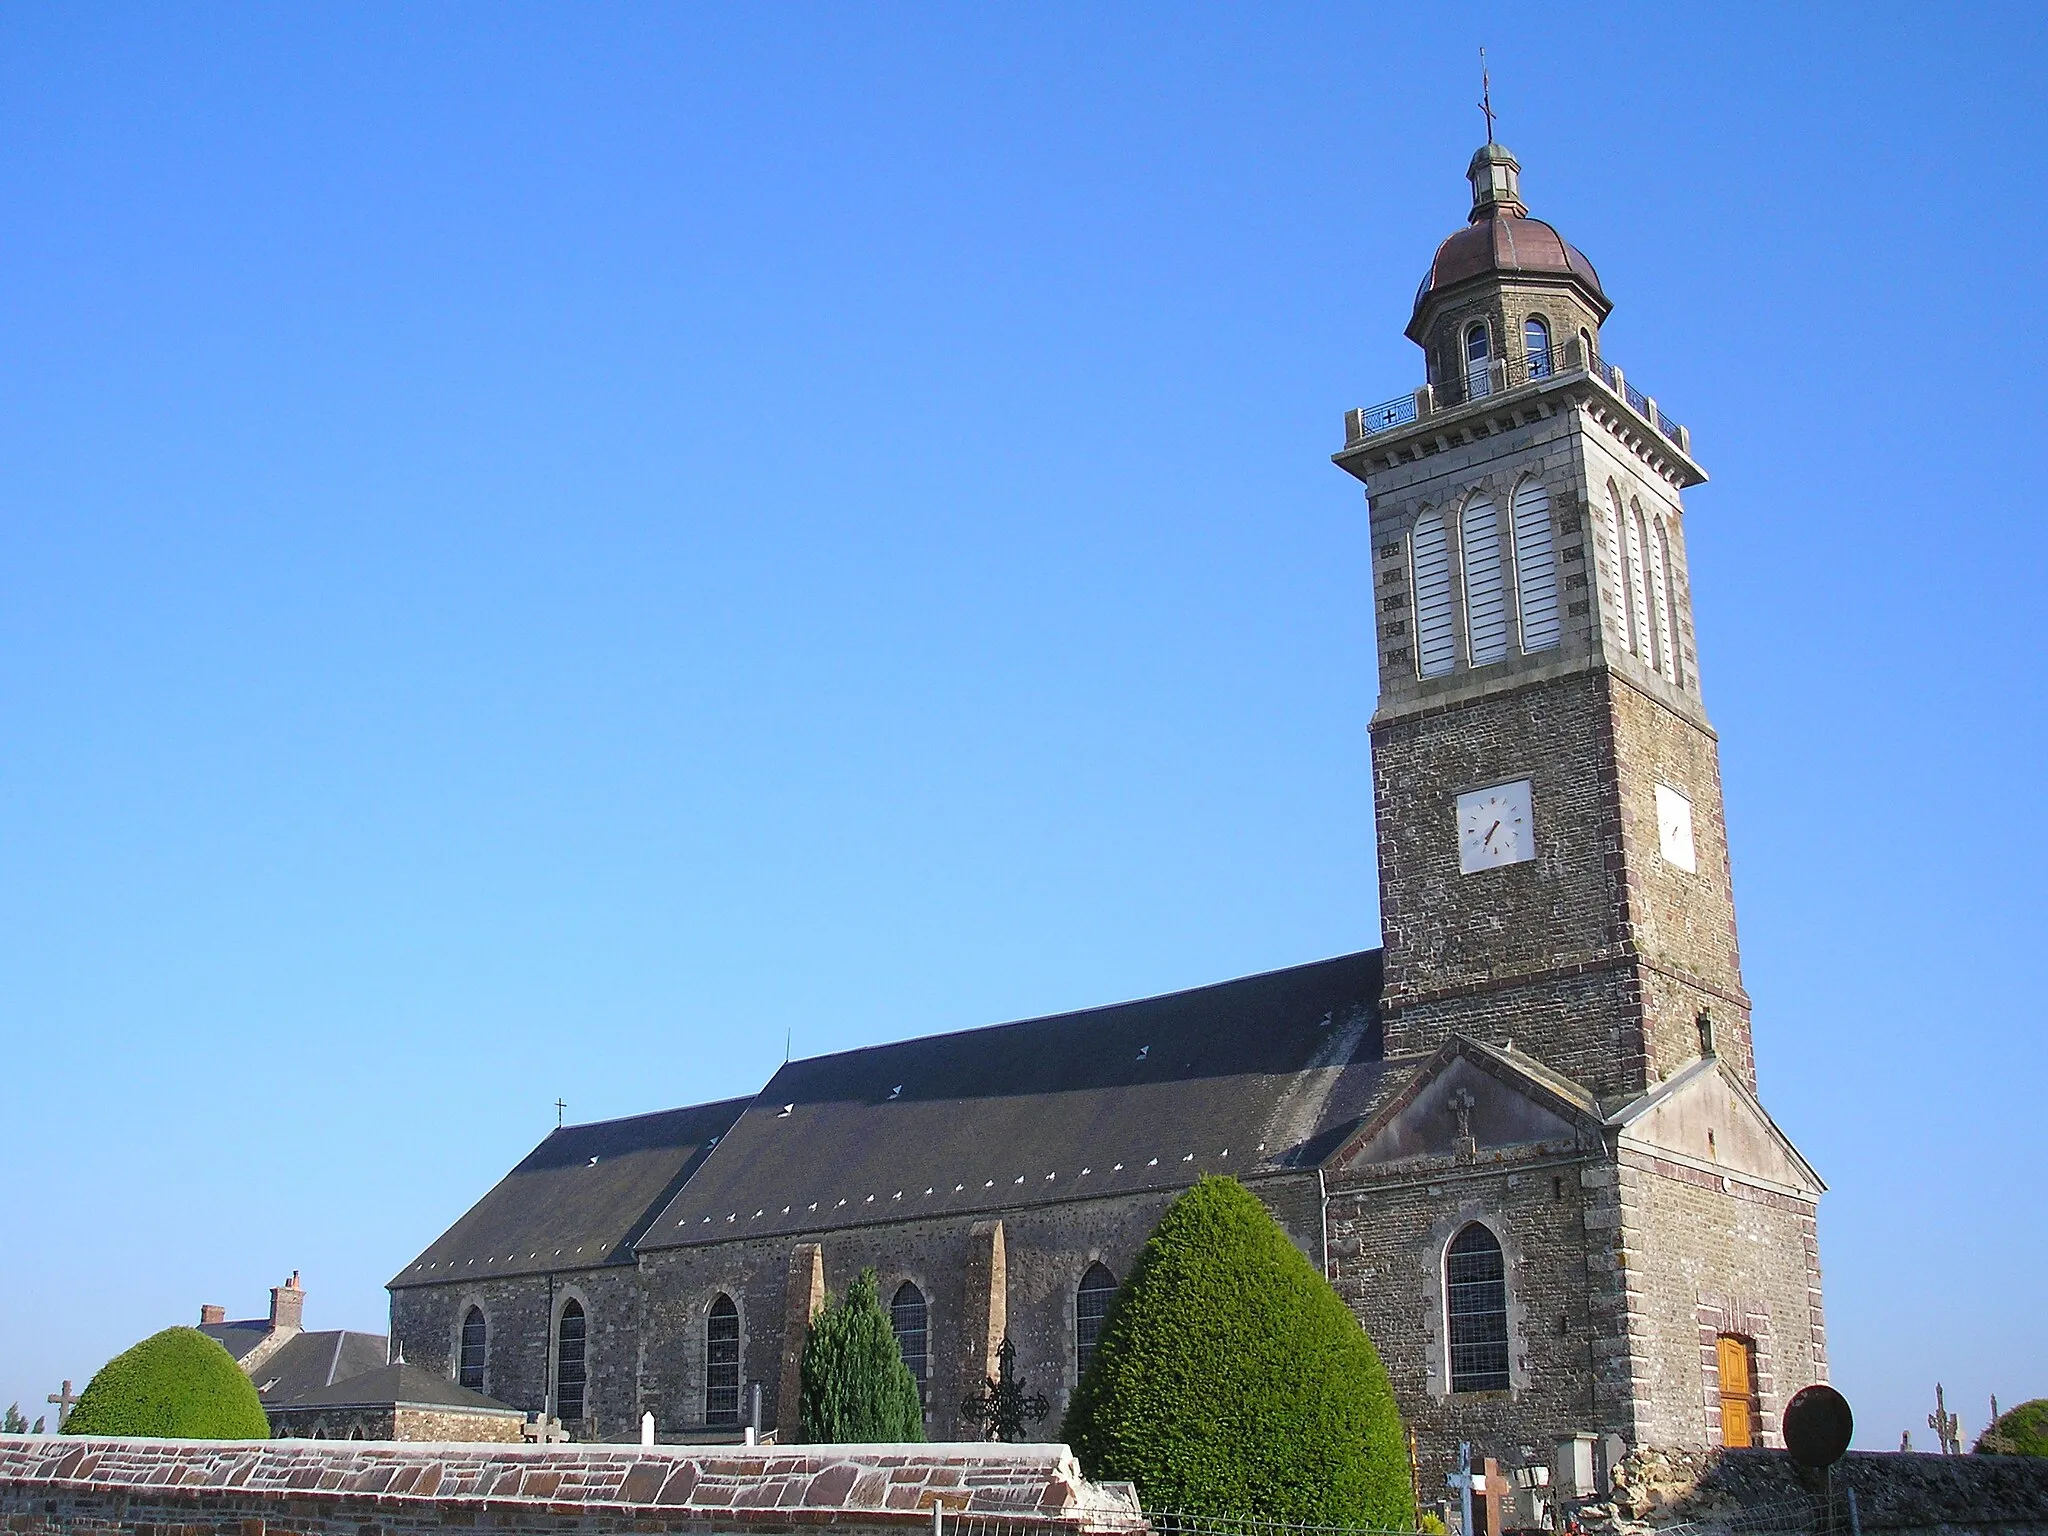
x: 1703, y: 1254
x: 1388, y: 1232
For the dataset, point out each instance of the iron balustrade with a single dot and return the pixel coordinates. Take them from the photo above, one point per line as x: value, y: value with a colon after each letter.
x: 1510, y: 373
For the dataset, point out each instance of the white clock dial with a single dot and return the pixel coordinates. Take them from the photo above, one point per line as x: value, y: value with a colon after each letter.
x: 1674, y: 829
x: 1495, y: 827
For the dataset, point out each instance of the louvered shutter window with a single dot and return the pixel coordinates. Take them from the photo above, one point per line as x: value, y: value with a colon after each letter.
x: 1667, y: 600
x: 1486, y: 598
x: 1639, y: 585
x: 1436, y: 648
x: 1617, y: 545
x: 1535, y: 567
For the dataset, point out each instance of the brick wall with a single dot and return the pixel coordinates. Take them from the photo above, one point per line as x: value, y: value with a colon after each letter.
x: 139, y: 1487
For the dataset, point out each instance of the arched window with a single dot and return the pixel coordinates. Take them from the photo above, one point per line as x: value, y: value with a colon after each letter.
x: 570, y: 1337
x: 1535, y: 567
x: 1741, y: 1414
x: 1476, y: 1304
x: 1667, y: 601
x: 1486, y: 598
x: 1587, y: 355
x: 722, y: 1362
x: 1478, y: 363
x: 1655, y: 638
x: 356, y: 1433
x: 470, y: 1364
x: 911, y: 1319
x: 1091, y: 1306
x: 1536, y: 345
x: 1436, y: 646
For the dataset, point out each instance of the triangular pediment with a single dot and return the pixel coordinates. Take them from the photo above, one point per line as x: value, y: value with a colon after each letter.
x: 1472, y: 1099
x: 1704, y: 1118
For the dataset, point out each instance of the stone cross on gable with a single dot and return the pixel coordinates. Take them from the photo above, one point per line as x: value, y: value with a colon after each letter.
x: 1461, y: 1104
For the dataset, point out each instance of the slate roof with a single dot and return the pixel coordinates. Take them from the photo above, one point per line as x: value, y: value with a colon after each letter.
x: 1259, y: 1074
x: 306, y: 1362
x: 240, y: 1337
x: 580, y: 1199
x: 399, y: 1384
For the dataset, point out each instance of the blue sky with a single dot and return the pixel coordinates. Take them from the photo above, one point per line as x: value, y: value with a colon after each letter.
x: 547, y: 550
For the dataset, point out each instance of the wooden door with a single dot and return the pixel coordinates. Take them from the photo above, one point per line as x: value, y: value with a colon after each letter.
x: 1738, y: 1392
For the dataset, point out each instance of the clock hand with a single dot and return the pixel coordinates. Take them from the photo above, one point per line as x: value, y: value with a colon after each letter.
x: 1488, y: 839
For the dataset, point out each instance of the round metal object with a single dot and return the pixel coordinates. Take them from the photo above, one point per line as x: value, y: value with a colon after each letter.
x: 1818, y: 1425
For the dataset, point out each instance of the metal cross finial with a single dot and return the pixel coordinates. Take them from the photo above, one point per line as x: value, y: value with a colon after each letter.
x: 559, y: 1108
x: 1486, y: 95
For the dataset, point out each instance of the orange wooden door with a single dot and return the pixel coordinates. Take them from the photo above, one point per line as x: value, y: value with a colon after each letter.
x: 1738, y: 1392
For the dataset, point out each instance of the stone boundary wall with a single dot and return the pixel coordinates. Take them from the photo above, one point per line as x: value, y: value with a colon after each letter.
x: 132, y: 1487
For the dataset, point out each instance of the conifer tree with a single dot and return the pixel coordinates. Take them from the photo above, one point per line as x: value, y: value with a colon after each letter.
x: 1231, y: 1380
x: 177, y: 1384
x: 855, y: 1387
x: 12, y: 1422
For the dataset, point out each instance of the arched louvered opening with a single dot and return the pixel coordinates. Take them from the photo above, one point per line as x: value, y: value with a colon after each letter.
x: 722, y: 1362
x: 911, y: 1319
x: 1478, y: 363
x: 1535, y: 567
x: 1667, y: 600
x: 1486, y: 597
x: 1536, y: 346
x: 470, y: 1364
x: 1656, y: 635
x: 1476, y: 1303
x: 1091, y: 1306
x: 1436, y: 641
x: 1587, y: 356
x: 1617, y: 552
x: 570, y: 1338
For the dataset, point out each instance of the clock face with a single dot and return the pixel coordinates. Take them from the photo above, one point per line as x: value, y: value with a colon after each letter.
x: 1674, y: 828
x: 1495, y: 827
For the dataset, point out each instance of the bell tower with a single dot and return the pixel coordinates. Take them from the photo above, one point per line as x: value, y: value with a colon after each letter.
x: 1552, y: 853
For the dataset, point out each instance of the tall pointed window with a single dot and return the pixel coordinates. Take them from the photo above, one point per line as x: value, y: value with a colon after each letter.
x: 1535, y: 567
x: 911, y: 1319
x: 722, y: 1363
x: 1667, y: 600
x: 1655, y: 637
x: 1091, y: 1306
x: 1536, y: 346
x: 1436, y: 643
x: 1617, y: 551
x: 1478, y: 363
x: 1476, y: 1305
x: 1486, y: 598
x: 569, y: 1363
x: 470, y: 1366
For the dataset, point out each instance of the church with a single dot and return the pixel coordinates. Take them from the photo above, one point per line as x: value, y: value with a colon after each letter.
x: 1523, y: 1138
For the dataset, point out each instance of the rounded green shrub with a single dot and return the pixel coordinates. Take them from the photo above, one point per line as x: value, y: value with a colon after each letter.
x: 2021, y: 1431
x: 177, y: 1385
x: 1231, y: 1380
x: 854, y: 1386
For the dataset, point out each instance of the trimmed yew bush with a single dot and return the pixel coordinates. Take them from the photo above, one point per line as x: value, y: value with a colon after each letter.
x: 178, y: 1385
x: 855, y: 1388
x: 2021, y: 1431
x: 1231, y: 1380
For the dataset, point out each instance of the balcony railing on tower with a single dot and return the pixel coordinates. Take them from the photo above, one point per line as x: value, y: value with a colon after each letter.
x: 1502, y: 375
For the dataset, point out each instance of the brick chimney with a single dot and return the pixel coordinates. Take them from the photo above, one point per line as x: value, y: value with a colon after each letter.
x: 212, y: 1314
x: 287, y: 1305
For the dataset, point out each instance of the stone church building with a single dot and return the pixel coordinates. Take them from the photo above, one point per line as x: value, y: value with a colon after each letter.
x: 1522, y: 1138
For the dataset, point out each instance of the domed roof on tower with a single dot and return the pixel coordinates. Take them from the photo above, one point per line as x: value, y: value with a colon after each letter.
x: 1501, y: 240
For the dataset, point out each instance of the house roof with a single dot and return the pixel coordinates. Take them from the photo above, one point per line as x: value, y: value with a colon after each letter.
x: 307, y: 1362
x: 1250, y: 1076
x: 580, y: 1199
x: 398, y: 1384
x: 238, y: 1338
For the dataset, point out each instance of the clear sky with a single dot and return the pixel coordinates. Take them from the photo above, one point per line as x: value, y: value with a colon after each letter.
x: 547, y: 550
